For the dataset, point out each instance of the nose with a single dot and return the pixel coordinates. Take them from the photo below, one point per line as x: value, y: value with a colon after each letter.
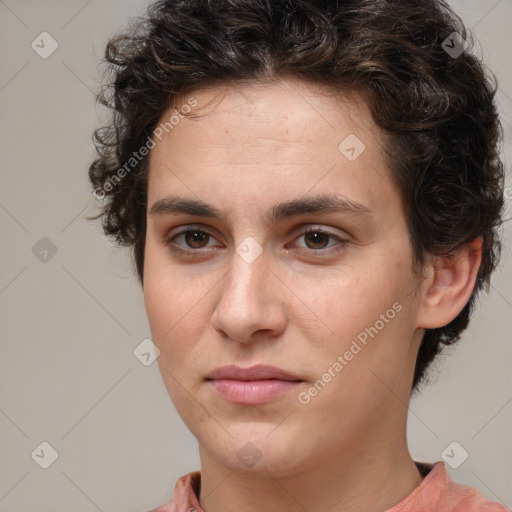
x: 251, y: 301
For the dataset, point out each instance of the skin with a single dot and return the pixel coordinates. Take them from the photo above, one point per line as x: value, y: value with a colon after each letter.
x: 298, y: 305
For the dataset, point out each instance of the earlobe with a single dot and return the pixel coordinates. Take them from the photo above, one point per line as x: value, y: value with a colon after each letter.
x: 449, y: 285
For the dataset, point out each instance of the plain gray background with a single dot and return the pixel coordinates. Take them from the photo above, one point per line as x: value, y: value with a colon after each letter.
x: 70, y: 323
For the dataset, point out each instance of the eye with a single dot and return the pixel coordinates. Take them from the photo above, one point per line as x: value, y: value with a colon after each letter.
x: 316, y: 240
x: 195, y: 239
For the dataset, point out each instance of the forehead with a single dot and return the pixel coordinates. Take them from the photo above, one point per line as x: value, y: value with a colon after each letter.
x: 295, y: 135
x: 295, y: 105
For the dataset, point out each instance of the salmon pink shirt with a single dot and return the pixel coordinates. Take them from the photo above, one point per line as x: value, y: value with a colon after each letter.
x: 436, y: 493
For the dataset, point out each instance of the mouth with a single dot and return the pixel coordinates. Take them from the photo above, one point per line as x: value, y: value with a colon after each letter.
x: 255, y: 385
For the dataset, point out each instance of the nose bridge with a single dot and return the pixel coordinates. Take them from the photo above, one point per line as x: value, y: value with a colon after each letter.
x: 244, y: 303
x: 248, y: 272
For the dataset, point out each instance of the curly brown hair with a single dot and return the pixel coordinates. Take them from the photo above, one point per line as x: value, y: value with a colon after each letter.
x: 435, y: 107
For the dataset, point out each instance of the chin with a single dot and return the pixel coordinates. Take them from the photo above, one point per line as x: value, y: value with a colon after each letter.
x: 261, y: 448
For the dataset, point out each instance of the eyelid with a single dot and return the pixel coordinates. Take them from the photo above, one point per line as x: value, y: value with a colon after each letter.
x: 329, y: 250
x: 191, y: 227
x: 169, y: 238
x: 301, y: 231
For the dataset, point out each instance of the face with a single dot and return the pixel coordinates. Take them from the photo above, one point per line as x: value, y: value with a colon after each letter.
x: 323, y: 294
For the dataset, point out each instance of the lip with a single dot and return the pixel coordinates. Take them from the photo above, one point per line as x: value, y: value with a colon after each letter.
x: 255, y: 385
x: 257, y: 372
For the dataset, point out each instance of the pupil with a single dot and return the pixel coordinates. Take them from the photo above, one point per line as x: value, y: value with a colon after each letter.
x: 195, y: 236
x: 316, y: 236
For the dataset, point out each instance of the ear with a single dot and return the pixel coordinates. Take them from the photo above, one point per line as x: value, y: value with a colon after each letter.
x: 449, y: 285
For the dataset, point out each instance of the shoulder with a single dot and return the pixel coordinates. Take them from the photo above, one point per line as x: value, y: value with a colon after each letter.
x: 185, y: 496
x: 468, y: 499
x: 439, y: 493
x: 451, y: 496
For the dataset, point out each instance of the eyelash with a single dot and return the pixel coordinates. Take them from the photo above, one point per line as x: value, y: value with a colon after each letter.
x: 169, y: 241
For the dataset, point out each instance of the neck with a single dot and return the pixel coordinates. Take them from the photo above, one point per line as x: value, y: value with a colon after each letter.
x: 370, y: 478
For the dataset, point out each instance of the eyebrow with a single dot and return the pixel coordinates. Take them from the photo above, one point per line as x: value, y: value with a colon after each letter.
x: 175, y: 205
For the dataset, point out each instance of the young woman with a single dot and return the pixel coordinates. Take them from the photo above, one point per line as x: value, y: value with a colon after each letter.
x: 312, y: 192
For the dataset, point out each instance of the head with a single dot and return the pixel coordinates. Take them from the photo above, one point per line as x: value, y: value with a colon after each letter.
x: 253, y: 109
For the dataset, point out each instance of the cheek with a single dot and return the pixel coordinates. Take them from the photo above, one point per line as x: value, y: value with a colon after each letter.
x: 174, y: 326
x: 173, y: 316
x: 349, y: 302
x: 165, y: 293
x: 364, y: 315
x: 176, y: 309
